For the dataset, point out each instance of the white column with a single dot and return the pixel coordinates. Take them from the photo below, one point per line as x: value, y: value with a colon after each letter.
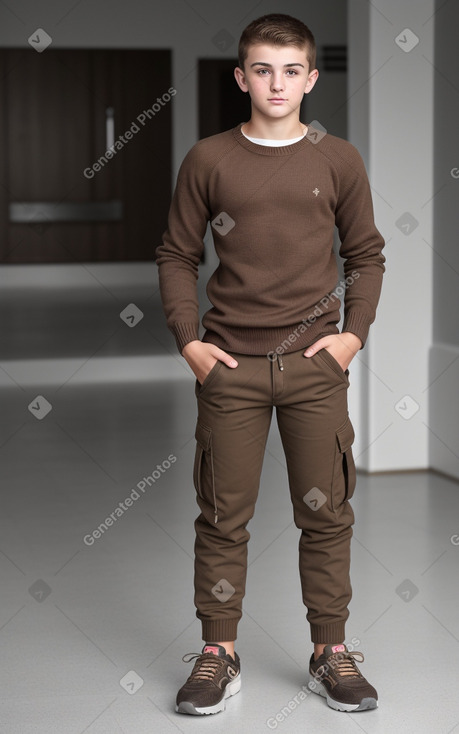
x: 444, y: 356
x: 391, y: 122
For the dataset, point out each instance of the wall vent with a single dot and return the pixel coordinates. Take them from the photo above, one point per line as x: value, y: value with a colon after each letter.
x: 334, y: 58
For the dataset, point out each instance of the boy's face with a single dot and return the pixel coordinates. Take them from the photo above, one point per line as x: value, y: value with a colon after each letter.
x: 276, y: 77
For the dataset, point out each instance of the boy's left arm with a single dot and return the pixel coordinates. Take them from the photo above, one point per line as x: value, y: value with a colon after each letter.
x: 361, y: 248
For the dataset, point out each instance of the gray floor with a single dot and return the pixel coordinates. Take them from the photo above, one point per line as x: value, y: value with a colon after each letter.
x: 92, y: 636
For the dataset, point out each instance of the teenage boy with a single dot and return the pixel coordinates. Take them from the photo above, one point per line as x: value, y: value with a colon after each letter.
x: 273, y: 191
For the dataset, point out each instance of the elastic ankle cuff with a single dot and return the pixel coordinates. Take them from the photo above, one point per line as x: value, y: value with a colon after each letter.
x: 219, y: 630
x: 327, y: 634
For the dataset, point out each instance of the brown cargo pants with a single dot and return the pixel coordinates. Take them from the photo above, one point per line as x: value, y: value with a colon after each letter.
x: 234, y: 415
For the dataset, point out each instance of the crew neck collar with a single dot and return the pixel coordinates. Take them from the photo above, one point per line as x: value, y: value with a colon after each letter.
x: 268, y: 149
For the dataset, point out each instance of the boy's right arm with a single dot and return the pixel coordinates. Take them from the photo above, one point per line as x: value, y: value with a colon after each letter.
x: 178, y: 259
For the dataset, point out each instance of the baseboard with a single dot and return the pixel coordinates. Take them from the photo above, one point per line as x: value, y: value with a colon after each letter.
x: 388, y: 472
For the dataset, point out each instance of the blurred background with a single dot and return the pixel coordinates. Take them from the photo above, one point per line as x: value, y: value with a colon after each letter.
x: 95, y: 397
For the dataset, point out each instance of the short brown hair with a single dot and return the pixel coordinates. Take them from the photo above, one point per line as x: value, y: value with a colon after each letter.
x: 277, y: 29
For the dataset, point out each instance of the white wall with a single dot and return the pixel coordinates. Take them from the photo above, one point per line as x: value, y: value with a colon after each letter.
x: 444, y: 357
x: 391, y: 119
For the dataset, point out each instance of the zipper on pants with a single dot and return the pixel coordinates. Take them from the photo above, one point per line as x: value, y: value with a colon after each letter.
x: 277, y: 376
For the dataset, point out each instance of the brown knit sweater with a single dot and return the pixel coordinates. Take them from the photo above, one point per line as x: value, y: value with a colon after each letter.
x: 272, y: 211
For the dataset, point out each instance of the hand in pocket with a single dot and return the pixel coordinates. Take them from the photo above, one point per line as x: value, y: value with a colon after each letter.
x: 342, y: 347
x: 203, y: 356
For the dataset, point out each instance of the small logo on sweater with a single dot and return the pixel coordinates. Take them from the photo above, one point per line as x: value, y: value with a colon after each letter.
x: 316, y: 192
x: 223, y: 223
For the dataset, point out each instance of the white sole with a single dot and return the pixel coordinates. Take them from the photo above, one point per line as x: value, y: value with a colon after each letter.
x: 186, y: 707
x: 364, y: 705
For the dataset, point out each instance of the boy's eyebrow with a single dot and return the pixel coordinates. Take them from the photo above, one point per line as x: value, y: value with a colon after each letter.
x: 264, y: 63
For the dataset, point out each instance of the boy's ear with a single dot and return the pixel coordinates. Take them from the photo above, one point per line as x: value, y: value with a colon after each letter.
x: 240, y: 78
x: 312, y: 78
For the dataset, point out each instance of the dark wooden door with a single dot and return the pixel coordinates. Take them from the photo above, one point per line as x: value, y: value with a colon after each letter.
x: 227, y: 106
x: 64, y: 199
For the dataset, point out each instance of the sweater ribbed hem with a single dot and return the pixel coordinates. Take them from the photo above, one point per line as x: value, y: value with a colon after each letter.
x: 359, y: 324
x: 219, y: 630
x: 185, y: 333
x: 265, y: 340
x: 328, y: 634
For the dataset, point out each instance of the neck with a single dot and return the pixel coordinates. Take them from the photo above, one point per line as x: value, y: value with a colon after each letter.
x: 282, y: 129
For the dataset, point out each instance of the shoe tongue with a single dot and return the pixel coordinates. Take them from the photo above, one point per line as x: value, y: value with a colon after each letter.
x: 215, y: 649
x: 332, y: 649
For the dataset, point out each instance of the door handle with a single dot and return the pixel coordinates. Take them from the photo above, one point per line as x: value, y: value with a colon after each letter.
x: 109, y: 127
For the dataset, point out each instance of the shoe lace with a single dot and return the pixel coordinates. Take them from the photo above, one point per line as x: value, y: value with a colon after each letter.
x: 344, y: 663
x: 205, y: 667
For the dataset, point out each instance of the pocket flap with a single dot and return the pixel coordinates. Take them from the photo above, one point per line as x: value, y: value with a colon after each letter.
x: 203, y: 436
x: 345, y: 436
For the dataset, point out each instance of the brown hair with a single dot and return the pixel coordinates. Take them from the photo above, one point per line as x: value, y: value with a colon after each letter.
x: 277, y: 29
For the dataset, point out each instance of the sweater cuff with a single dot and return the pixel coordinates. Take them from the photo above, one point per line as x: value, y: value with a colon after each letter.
x: 359, y: 324
x: 185, y: 333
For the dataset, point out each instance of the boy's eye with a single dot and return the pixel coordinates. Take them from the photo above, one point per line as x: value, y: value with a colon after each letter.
x: 290, y: 72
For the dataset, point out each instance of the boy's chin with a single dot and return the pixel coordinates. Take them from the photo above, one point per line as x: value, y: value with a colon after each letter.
x: 276, y: 112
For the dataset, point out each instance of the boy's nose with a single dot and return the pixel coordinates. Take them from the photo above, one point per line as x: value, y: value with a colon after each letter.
x: 276, y: 83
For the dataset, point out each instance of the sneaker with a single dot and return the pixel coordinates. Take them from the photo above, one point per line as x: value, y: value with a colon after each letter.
x: 215, y: 677
x: 336, y: 677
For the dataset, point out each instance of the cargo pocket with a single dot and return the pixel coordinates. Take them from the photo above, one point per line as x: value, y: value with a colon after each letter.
x: 203, y: 470
x: 344, y: 476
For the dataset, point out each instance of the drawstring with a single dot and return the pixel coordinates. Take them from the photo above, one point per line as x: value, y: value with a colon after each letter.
x: 213, y: 485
